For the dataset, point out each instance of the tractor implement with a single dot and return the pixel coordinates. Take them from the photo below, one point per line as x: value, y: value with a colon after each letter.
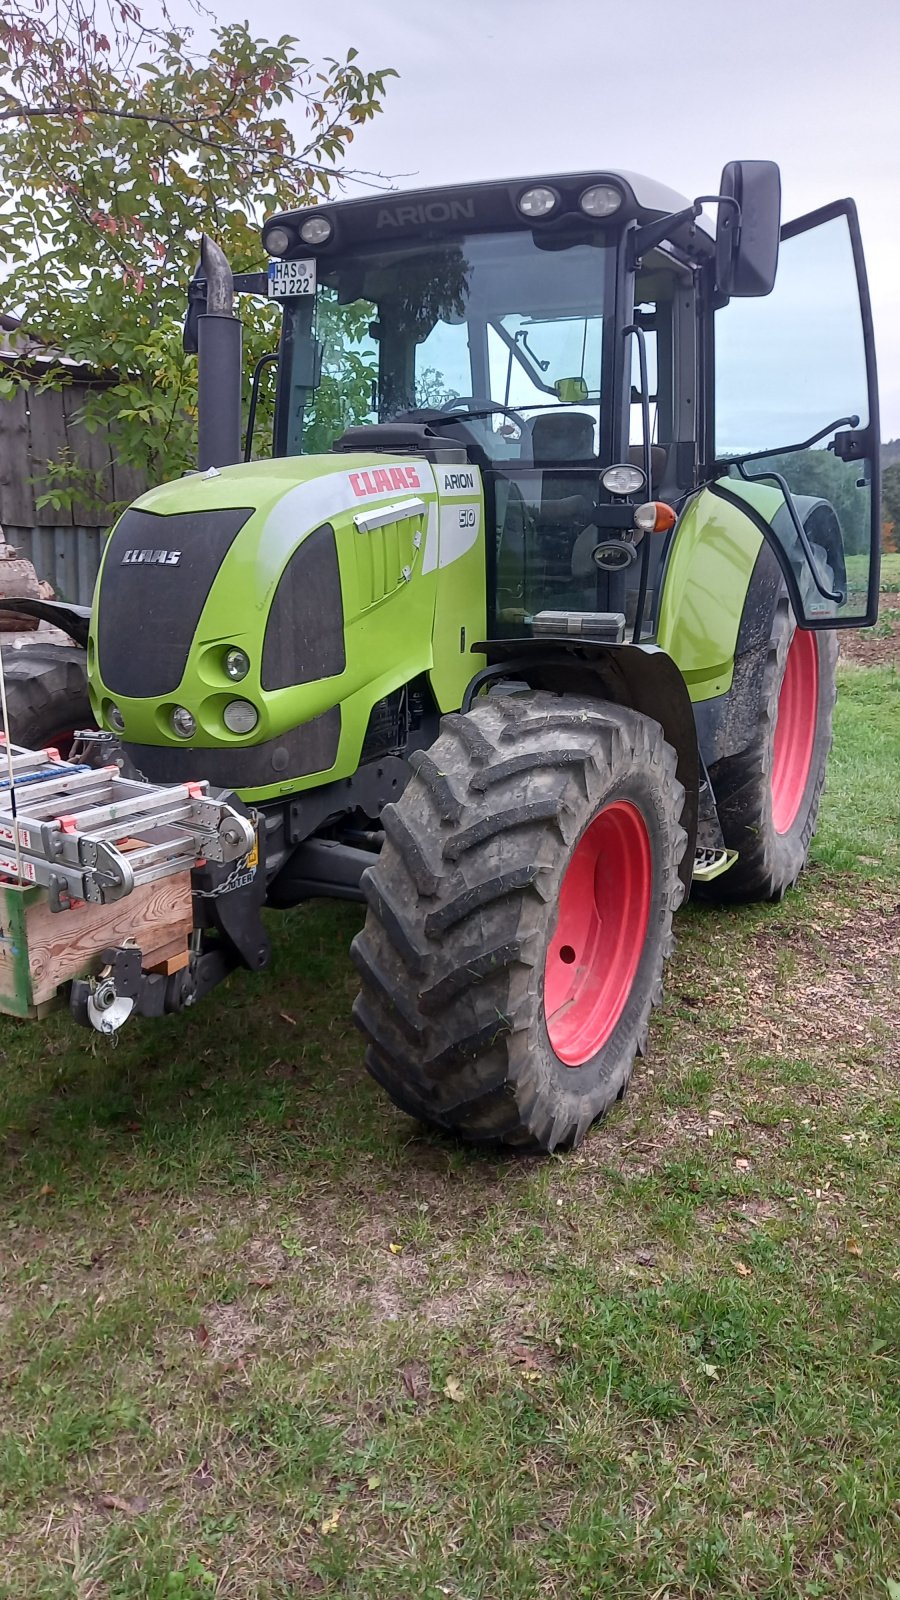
x: 519, y: 628
x: 107, y: 854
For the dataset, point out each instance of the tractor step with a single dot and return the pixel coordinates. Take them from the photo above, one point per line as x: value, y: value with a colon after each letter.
x: 87, y: 834
x: 710, y: 864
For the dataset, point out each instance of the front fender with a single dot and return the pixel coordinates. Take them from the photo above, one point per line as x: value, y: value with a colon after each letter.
x: 637, y: 675
x: 73, y: 620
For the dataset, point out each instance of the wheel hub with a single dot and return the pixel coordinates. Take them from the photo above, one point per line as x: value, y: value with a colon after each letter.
x: 604, y: 908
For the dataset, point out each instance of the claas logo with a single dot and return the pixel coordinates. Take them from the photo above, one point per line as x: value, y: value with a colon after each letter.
x: 381, y: 480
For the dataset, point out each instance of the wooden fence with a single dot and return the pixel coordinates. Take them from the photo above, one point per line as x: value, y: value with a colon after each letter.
x: 38, y: 427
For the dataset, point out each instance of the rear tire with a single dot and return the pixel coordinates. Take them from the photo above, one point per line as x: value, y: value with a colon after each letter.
x: 46, y: 695
x: 471, y: 933
x: 768, y: 794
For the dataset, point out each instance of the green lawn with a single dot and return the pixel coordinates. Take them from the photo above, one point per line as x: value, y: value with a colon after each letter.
x: 265, y: 1338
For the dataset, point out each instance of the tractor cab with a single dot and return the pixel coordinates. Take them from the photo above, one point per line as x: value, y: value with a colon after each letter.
x: 559, y: 335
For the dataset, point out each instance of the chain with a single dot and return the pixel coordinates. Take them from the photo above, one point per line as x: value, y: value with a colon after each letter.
x: 238, y: 878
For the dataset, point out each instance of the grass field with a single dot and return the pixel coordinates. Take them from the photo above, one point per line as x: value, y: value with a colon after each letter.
x: 263, y: 1337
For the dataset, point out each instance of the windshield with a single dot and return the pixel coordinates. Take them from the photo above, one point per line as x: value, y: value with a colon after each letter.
x: 476, y: 328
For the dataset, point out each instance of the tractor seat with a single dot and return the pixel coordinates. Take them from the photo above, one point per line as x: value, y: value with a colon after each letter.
x: 563, y: 438
x: 658, y: 460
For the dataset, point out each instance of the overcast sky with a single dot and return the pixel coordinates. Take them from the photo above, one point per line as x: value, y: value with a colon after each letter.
x: 497, y: 88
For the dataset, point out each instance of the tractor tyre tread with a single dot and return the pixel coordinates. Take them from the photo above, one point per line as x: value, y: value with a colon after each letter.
x: 770, y: 863
x: 46, y: 693
x: 462, y: 905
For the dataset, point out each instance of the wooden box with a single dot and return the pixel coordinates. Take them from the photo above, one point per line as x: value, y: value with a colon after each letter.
x: 41, y: 950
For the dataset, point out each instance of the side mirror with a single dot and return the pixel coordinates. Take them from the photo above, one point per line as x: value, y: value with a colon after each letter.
x: 572, y: 391
x: 747, y: 250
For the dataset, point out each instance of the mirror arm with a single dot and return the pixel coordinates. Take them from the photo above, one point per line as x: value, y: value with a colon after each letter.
x: 653, y: 233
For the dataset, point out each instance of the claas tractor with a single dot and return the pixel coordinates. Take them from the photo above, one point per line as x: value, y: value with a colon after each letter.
x: 527, y: 627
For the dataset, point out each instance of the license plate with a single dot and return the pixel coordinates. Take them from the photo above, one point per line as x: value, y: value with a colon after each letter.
x: 290, y: 278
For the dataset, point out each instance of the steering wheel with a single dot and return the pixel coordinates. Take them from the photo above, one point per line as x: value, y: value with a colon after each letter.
x: 476, y: 402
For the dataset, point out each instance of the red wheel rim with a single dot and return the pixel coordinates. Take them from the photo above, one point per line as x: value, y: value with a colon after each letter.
x: 795, y: 729
x: 604, y: 908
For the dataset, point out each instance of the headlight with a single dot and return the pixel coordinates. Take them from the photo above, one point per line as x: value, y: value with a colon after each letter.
x: 316, y: 230
x: 236, y: 664
x: 538, y: 202
x: 277, y: 242
x: 115, y: 719
x: 183, y: 722
x: 601, y: 200
x: 623, y: 479
x: 240, y: 716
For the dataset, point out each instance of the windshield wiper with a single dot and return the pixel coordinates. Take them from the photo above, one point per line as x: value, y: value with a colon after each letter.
x: 516, y: 349
x: 561, y: 405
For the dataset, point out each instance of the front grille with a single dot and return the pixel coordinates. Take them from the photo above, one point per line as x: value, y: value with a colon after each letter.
x: 150, y: 603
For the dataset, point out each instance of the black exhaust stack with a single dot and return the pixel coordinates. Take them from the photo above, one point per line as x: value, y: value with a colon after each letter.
x: 220, y: 370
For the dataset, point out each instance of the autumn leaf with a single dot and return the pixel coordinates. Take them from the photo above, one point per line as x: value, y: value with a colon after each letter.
x: 396, y: 1249
x: 329, y: 1523
x: 201, y: 1333
x: 854, y: 1248
x: 453, y: 1389
x: 742, y: 1269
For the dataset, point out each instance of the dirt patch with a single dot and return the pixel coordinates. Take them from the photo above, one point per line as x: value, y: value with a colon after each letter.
x: 874, y: 647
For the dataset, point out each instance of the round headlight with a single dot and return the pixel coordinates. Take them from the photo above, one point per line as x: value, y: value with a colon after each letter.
x: 316, y: 230
x: 601, y: 200
x: 183, y: 722
x: 240, y: 716
x: 236, y: 664
x: 277, y: 242
x: 623, y: 479
x: 115, y: 719
x: 538, y: 202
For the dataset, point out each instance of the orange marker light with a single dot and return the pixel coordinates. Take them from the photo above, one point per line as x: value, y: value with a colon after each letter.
x: 655, y: 516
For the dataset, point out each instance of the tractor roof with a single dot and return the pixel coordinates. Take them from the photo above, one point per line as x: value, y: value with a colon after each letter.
x: 476, y: 207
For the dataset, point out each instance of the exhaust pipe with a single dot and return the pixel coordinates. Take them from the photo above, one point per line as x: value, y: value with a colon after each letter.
x: 220, y: 372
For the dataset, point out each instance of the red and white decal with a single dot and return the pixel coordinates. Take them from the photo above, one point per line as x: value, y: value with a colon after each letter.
x: 384, y: 480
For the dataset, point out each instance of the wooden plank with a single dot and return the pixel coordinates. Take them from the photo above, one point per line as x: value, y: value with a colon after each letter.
x: 16, y: 997
x: 16, y: 491
x: 48, y: 444
x: 157, y: 917
x: 127, y: 481
x: 90, y: 451
x: 169, y: 964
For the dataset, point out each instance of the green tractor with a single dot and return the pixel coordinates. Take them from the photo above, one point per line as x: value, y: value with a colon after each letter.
x: 528, y: 628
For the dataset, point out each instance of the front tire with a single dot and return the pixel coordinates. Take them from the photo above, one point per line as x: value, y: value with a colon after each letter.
x: 47, y: 695
x: 519, y: 918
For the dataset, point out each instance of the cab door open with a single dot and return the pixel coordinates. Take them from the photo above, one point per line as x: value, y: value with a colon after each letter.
x: 797, y: 437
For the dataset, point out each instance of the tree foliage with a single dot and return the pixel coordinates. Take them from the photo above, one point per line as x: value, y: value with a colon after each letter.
x: 120, y: 144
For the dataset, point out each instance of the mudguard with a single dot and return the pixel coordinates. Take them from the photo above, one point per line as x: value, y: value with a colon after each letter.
x: 641, y: 676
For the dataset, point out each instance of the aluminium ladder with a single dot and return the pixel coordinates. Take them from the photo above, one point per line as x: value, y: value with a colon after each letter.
x: 88, y: 834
